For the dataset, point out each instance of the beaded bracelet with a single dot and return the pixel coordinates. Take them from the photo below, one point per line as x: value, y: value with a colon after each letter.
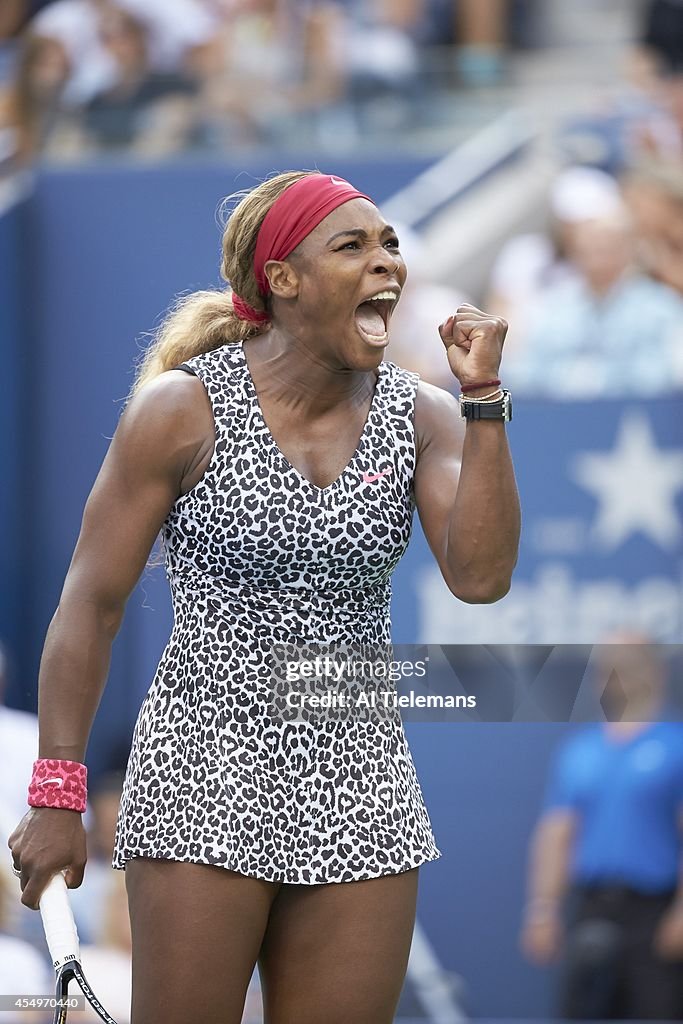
x: 465, y: 388
x: 57, y: 783
x: 493, y: 396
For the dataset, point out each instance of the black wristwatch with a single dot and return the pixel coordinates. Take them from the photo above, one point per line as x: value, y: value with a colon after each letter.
x: 499, y: 410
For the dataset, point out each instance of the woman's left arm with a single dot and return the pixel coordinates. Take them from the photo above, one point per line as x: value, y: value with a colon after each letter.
x: 467, y: 502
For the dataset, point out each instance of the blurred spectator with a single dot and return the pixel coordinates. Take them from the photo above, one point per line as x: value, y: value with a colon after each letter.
x: 90, y: 900
x: 654, y: 194
x: 149, y: 111
x: 180, y: 32
x: 22, y: 970
x: 661, y: 133
x: 382, y: 59
x: 16, y: 14
x: 277, y: 60
x: 608, y: 845
x: 662, y: 36
x: 102, y: 74
x: 610, y: 332
x: 74, y: 25
x: 529, y: 264
x: 12, y: 17
x: 107, y: 961
x: 644, y: 113
x: 35, y: 108
x: 663, y: 31
x: 100, y: 905
x: 415, y: 341
x: 19, y: 748
x: 481, y: 31
x: 176, y: 30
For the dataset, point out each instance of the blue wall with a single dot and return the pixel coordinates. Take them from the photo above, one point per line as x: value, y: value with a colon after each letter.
x: 15, y: 426
x: 483, y: 785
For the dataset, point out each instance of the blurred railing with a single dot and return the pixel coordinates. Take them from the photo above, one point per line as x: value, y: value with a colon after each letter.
x: 466, y: 166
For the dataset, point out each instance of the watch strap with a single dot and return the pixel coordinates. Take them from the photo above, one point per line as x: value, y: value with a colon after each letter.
x: 499, y: 410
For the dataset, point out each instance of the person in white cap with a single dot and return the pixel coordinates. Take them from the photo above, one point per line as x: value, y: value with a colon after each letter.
x: 530, y: 263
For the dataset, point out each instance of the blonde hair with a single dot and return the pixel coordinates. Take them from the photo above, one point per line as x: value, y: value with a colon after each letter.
x: 205, y: 320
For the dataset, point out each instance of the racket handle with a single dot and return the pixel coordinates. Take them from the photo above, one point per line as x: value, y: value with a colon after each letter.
x: 58, y: 922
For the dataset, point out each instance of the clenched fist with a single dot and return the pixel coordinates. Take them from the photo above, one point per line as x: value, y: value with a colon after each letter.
x: 474, y: 344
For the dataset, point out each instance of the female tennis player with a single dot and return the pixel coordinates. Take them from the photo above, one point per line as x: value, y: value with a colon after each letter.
x: 281, y: 458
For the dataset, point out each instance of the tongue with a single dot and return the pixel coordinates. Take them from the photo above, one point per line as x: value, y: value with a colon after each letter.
x: 369, y: 320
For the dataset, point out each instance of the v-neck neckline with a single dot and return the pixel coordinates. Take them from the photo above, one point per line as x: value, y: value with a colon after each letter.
x: 251, y: 389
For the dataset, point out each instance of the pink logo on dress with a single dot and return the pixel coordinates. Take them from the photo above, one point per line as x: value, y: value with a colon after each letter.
x: 371, y: 478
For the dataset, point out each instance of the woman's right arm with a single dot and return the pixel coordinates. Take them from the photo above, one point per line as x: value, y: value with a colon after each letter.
x: 162, y: 444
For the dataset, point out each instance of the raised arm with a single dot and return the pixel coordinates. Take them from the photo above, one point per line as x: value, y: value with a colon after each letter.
x: 162, y: 443
x: 467, y: 501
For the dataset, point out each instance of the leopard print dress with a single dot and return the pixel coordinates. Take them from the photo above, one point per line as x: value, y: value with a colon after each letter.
x: 256, y: 555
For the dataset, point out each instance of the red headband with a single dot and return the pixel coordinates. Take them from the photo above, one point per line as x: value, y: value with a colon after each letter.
x: 293, y: 215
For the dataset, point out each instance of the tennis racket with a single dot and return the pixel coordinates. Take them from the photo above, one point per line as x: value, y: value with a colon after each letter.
x: 62, y: 941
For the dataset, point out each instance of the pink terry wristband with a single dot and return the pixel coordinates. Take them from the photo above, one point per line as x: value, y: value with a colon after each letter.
x: 58, y: 783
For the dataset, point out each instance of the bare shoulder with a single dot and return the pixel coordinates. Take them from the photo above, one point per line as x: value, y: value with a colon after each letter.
x: 437, y: 415
x: 168, y: 422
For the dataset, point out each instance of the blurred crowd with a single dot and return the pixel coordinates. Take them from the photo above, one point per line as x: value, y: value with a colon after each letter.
x: 595, y: 304
x: 595, y: 301
x: 162, y: 76
x: 594, y: 294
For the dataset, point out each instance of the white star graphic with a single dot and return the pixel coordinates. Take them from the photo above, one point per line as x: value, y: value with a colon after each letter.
x: 635, y: 484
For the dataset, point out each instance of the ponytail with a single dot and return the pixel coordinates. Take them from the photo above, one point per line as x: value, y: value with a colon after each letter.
x: 197, y: 323
x: 203, y: 321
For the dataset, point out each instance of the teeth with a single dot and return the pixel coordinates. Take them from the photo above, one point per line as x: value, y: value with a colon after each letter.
x: 383, y: 295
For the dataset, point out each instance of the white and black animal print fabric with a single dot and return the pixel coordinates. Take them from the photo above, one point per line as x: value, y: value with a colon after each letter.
x: 256, y: 555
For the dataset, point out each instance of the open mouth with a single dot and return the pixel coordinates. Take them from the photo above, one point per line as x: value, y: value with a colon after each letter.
x: 373, y: 315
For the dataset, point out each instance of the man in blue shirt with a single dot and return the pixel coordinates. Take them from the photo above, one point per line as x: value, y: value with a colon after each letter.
x: 608, y: 845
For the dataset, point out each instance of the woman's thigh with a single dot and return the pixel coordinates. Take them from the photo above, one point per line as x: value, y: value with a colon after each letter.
x: 196, y: 934
x: 338, y: 953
